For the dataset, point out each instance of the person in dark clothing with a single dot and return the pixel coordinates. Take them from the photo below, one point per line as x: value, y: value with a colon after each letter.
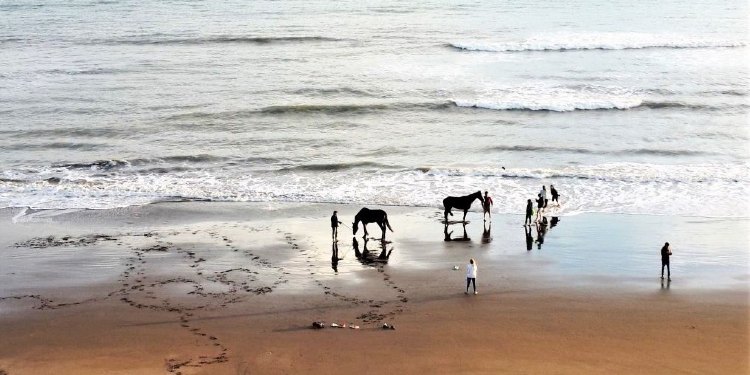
x: 553, y: 221
x: 529, y: 212
x: 666, y: 252
x: 335, y: 226
x: 553, y: 191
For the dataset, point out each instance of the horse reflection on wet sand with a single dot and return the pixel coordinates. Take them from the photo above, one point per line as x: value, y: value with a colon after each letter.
x: 367, y: 257
x: 461, y: 203
x: 448, y: 234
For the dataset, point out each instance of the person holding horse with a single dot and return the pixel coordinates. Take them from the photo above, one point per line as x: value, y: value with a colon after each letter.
x: 335, y: 226
x: 487, y: 204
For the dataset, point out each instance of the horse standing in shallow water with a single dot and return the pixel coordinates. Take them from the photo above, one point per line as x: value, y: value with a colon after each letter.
x: 367, y: 216
x: 462, y: 203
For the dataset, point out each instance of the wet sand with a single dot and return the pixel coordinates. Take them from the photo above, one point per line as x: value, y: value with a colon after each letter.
x: 206, y: 288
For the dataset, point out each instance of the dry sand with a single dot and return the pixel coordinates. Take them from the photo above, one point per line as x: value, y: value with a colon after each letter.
x: 220, y: 289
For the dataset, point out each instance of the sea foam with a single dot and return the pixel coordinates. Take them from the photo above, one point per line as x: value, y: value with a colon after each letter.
x: 594, y: 41
x: 550, y: 98
x: 628, y: 188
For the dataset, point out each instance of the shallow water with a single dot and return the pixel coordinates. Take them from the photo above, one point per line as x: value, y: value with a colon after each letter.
x: 290, y: 245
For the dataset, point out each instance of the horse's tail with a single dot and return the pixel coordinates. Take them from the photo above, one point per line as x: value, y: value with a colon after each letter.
x: 387, y: 223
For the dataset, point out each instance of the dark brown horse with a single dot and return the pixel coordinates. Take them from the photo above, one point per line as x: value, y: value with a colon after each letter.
x: 462, y: 203
x: 367, y: 216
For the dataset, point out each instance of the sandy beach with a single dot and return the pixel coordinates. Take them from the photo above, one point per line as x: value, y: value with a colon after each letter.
x: 168, y: 171
x: 208, y: 288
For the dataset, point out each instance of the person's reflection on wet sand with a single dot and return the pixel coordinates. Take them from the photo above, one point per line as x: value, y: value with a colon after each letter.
x: 553, y: 222
x: 529, y: 238
x: 541, y: 230
x: 335, y: 256
x: 665, y: 285
x: 366, y: 257
x: 487, y: 233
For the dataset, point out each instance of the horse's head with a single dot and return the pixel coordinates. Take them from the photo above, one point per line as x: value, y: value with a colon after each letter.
x: 479, y: 195
x: 355, y: 226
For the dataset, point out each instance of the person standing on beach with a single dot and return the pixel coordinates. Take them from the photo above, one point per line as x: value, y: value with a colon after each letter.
x: 471, y: 275
x: 543, y: 194
x: 553, y: 191
x: 529, y: 212
x: 335, y: 226
x: 666, y: 252
x: 487, y: 205
x: 539, y: 207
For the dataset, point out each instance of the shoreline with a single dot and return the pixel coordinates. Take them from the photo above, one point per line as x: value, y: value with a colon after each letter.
x: 144, y: 289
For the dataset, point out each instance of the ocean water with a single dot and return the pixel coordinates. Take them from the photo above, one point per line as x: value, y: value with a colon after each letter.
x: 625, y: 106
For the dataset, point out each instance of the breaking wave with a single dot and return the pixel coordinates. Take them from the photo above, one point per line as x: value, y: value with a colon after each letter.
x: 633, y: 188
x: 339, y: 167
x: 301, y: 109
x: 578, y: 150
x: 573, y: 98
x: 105, y: 165
x: 554, y: 100
x: 342, y: 108
x: 571, y: 104
x: 594, y: 41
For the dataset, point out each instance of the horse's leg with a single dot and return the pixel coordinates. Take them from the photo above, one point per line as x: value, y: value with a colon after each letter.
x: 465, y: 214
x: 364, y: 228
x: 382, y: 228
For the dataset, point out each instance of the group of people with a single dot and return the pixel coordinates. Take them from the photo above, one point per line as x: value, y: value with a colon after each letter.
x: 542, y: 203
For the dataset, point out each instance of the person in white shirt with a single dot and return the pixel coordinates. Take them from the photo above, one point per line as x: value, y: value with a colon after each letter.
x: 471, y: 275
